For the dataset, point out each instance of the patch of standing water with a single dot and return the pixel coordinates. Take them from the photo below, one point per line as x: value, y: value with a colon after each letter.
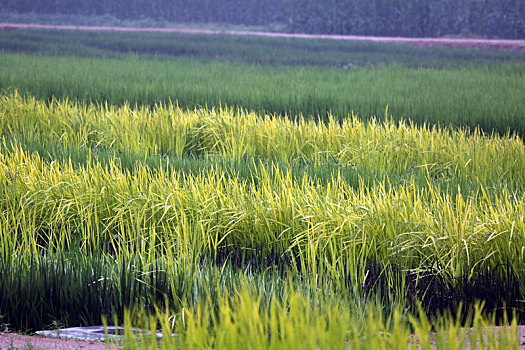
x: 97, y: 333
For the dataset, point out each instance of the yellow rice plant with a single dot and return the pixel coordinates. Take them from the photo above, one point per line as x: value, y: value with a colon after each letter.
x: 380, y: 146
x: 154, y: 210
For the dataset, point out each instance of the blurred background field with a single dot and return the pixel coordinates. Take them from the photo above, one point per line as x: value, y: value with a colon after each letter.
x: 428, y: 18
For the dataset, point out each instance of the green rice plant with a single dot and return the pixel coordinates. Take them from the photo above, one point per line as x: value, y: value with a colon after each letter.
x: 401, y: 148
x: 104, y: 206
x: 346, y: 55
x: 321, y: 230
x: 140, y: 236
x: 490, y: 98
x: 312, y: 322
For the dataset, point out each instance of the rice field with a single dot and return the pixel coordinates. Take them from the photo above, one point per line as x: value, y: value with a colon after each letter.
x: 287, y: 77
x: 84, y: 240
x: 237, y: 227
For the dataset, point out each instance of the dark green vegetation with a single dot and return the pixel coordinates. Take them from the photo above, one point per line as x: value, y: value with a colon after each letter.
x: 505, y: 18
x: 247, y: 50
x: 423, y: 18
x: 292, y: 77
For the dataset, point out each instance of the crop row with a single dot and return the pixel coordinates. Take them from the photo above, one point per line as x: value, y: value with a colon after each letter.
x: 82, y: 235
x: 248, y: 49
x: 384, y: 147
x: 491, y: 99
x: 152, y: 210
x: 331, y: 233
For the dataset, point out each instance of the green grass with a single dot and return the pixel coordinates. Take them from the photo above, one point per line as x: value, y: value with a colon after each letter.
x: 491, y: 99
x: 283, y: 76
x: 249, y: 50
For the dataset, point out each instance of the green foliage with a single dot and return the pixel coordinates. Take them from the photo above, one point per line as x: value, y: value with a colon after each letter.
x: 189, y: 11
x: 248, y: 49
x: 393, y: 148
x: 495, y: 18
x: 240, y: 229
x: 312, y: 322
x: 492, y: 99
x: 428, y: 18
x: 150, y: 236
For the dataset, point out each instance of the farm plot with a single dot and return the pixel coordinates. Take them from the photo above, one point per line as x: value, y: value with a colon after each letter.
x: 221, y: 226
x: 261, y: 193
x: 288, y: 77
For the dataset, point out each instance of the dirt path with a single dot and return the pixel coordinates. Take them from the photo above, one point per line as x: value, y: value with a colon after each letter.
x: 9, y: 341
x: 480, y: 44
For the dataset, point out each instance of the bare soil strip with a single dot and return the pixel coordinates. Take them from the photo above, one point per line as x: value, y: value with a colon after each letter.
x: 24, y: 342
x: 479, y: 44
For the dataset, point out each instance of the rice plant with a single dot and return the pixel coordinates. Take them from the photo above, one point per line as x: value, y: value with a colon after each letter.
x: 380, y: 146
x: 243, y: 239
x: 485, y: 95
x: 333, y: 232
